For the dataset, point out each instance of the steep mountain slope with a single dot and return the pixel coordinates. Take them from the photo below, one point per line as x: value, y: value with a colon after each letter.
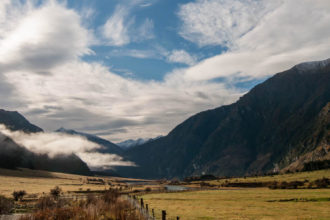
x: 269, y: 127
x: 13, y: 155
x: 15, y: 121
x: 109, y: 147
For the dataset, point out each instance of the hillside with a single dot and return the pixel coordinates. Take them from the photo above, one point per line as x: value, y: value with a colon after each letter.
x: 15, y: 121
x: 267, y: 129
x: 12, y: 155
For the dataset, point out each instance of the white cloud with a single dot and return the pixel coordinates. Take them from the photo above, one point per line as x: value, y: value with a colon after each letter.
x: 282, y: 38
x: 221, y: 22
x: 121, y: 28
x: 98, y: 160
x: 89, y: 97
x: 38, y: 38
x: 115, y: 29
x: 142, y: 54
x: 181, y: 56
x: 54, y: 144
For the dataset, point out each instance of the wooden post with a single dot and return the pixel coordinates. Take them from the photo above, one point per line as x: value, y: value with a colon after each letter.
x: 142, y: 204
x: 163, y: 215
x: 147, y: 207
x: 153, y: 213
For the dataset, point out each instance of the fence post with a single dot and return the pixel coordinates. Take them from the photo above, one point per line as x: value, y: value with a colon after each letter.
x: 142, y: 204
x: 147, y: 207
x: 163, y: 215
x: 153, y: 213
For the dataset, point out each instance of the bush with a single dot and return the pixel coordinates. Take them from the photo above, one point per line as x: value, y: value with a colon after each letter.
x: 322, y: 183
x: 18, y: 195
x: 56, y: 192
x: 148, y: 189
x: 6, y: 205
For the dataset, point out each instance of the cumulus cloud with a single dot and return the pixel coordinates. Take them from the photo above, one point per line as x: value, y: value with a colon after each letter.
x: 54, y: 144
x: 36, y: 37
x: 181, y: 56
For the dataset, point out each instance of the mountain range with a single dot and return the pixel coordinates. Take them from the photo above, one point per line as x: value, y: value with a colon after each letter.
x: 271, y: 127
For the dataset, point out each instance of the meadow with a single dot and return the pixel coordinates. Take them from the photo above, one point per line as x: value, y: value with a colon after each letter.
x: 40, y: 182
x: 256, y: 203
x: 207, y: 199
x: 217, y: 202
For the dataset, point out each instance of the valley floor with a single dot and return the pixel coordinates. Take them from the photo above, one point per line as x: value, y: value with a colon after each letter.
x: 232, y: 198
x: 214, y: 201
x: 255, y: 203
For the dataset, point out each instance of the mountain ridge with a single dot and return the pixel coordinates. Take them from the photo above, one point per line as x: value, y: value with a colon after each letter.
x: 15, y: 121
x: 268, y: 126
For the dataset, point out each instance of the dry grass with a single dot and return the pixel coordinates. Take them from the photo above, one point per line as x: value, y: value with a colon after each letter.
x: 109, y: 205
x: 39, y: 182
x: 248, y: 203
x: 258, y: 203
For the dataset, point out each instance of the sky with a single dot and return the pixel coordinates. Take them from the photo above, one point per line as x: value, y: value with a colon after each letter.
x: 128, y: 69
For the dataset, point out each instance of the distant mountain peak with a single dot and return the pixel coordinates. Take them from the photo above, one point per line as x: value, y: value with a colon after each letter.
x: 314, y: 65
x: 17, y: 122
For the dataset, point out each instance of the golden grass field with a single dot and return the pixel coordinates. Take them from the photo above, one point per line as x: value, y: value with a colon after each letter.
x: 247, y: 203
x: 218, y: 203
x: 257, y: 203
x: 38, y: 182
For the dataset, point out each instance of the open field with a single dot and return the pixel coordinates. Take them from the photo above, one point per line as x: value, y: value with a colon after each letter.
x: 257, y: 203
x: 209, y: 202
x: 38, y: 182
x: 247, y: 203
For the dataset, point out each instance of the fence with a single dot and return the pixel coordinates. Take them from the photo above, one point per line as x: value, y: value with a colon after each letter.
x: 145, y: 209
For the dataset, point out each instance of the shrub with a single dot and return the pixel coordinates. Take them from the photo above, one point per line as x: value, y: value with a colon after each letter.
x: 322, y: 183
x: 18, y: 195
x: 148, y: 189
x: 6, y: 205
x: 56, y: 192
